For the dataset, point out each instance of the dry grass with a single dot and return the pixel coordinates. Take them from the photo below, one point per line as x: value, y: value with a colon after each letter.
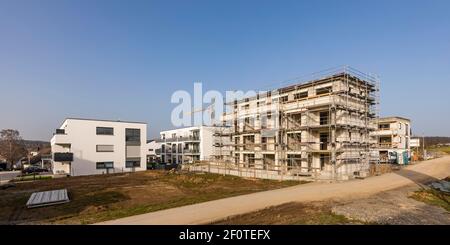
x: 105, y: 197
x: 441, y: 149
x: 291, y: 214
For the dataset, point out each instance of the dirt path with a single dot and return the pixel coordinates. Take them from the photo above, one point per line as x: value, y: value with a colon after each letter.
x: 219, y: 209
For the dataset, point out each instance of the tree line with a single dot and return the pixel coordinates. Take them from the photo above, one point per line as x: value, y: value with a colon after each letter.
x: 12, y: 147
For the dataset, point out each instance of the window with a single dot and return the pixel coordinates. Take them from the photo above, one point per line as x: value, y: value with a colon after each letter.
x: 105, y: 131
x: 60, y: 131
x: 105, y: 148
x: 133, y: 135
x: 133, y: 163
x: 301, y: 95
x: 323, y: 117
x: 322, y: 91
x: 284, y: 99
x: 104, y: 165
x: 384, y: 126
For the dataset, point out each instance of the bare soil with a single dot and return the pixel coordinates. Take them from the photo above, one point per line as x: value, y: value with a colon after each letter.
x: 104, y: 197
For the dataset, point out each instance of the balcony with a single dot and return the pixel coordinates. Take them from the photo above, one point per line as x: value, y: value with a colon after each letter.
x: 191, y: 151
x: 63, y: 156
x: 60, y: 139
x: 179, y: 139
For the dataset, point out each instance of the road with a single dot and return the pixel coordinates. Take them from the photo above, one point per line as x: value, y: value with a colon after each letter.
x: 206, y: 212
x: 6, y: 176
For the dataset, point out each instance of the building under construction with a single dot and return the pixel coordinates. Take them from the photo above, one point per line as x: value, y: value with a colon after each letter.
x: 318, y: 128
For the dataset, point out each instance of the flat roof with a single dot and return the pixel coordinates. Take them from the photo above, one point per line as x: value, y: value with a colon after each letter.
x: 393, y: 118
x: 102, y: 120
x: 349, y: 73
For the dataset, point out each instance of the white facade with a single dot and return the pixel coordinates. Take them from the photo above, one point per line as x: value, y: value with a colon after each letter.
x: 186, y: 145
x: 87, y: 147
x: 153, y: 150
x: 414, y: 142
x: 393, y: 137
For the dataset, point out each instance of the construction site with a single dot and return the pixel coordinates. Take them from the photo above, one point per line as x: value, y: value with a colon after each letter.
x: 313, y: 128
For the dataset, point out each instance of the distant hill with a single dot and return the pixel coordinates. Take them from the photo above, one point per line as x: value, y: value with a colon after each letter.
x: 33, y: 145
x: 434, y: 140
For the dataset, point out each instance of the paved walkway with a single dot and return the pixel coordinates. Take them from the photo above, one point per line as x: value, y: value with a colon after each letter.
x: 6, y: 176
x: 219, y: 209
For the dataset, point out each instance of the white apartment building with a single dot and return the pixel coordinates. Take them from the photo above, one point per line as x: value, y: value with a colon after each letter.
x: 393, y: 137
x: 88, y: 147
x: 186, y: 145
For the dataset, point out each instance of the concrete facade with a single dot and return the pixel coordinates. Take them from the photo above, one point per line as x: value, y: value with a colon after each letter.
x: 318, y: 128
x: 87, y: 147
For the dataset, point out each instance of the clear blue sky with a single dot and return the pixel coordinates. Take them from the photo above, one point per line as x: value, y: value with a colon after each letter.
x: 124, y: 59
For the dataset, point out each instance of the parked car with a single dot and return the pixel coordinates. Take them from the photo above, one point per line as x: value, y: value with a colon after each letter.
x: 33, y: 169
x: 170, y: 166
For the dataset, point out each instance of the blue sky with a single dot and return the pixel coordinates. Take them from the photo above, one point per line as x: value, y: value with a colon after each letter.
x: 124, y: 59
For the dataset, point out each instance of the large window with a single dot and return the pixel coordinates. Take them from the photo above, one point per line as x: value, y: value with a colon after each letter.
x: 301, y: 95
x: 325, y: 90
x: 105, y: 131
x: 133, y: 163
x: 105, y: 148
x: 104, y: 165
x: 133, y: 135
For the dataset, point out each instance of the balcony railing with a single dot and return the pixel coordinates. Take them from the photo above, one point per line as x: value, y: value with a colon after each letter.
x: 191, y: 151
x: 385, y: 145
x: 63, y: 156
x: 188, y: 138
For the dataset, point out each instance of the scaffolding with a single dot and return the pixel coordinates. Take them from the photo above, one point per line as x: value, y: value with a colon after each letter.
x: 316, y: 128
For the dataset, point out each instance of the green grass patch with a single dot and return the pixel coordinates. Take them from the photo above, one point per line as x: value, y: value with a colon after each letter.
x: 31, y: 177
x: 433, y: 197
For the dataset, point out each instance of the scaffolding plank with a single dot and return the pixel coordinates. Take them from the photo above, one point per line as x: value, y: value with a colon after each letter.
x: 47, y: 198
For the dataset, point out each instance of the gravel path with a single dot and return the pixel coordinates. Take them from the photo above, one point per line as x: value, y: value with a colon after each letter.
x: 393, y: 207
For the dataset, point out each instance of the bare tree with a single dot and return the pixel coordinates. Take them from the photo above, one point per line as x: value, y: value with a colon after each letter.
x: 12, y: 147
